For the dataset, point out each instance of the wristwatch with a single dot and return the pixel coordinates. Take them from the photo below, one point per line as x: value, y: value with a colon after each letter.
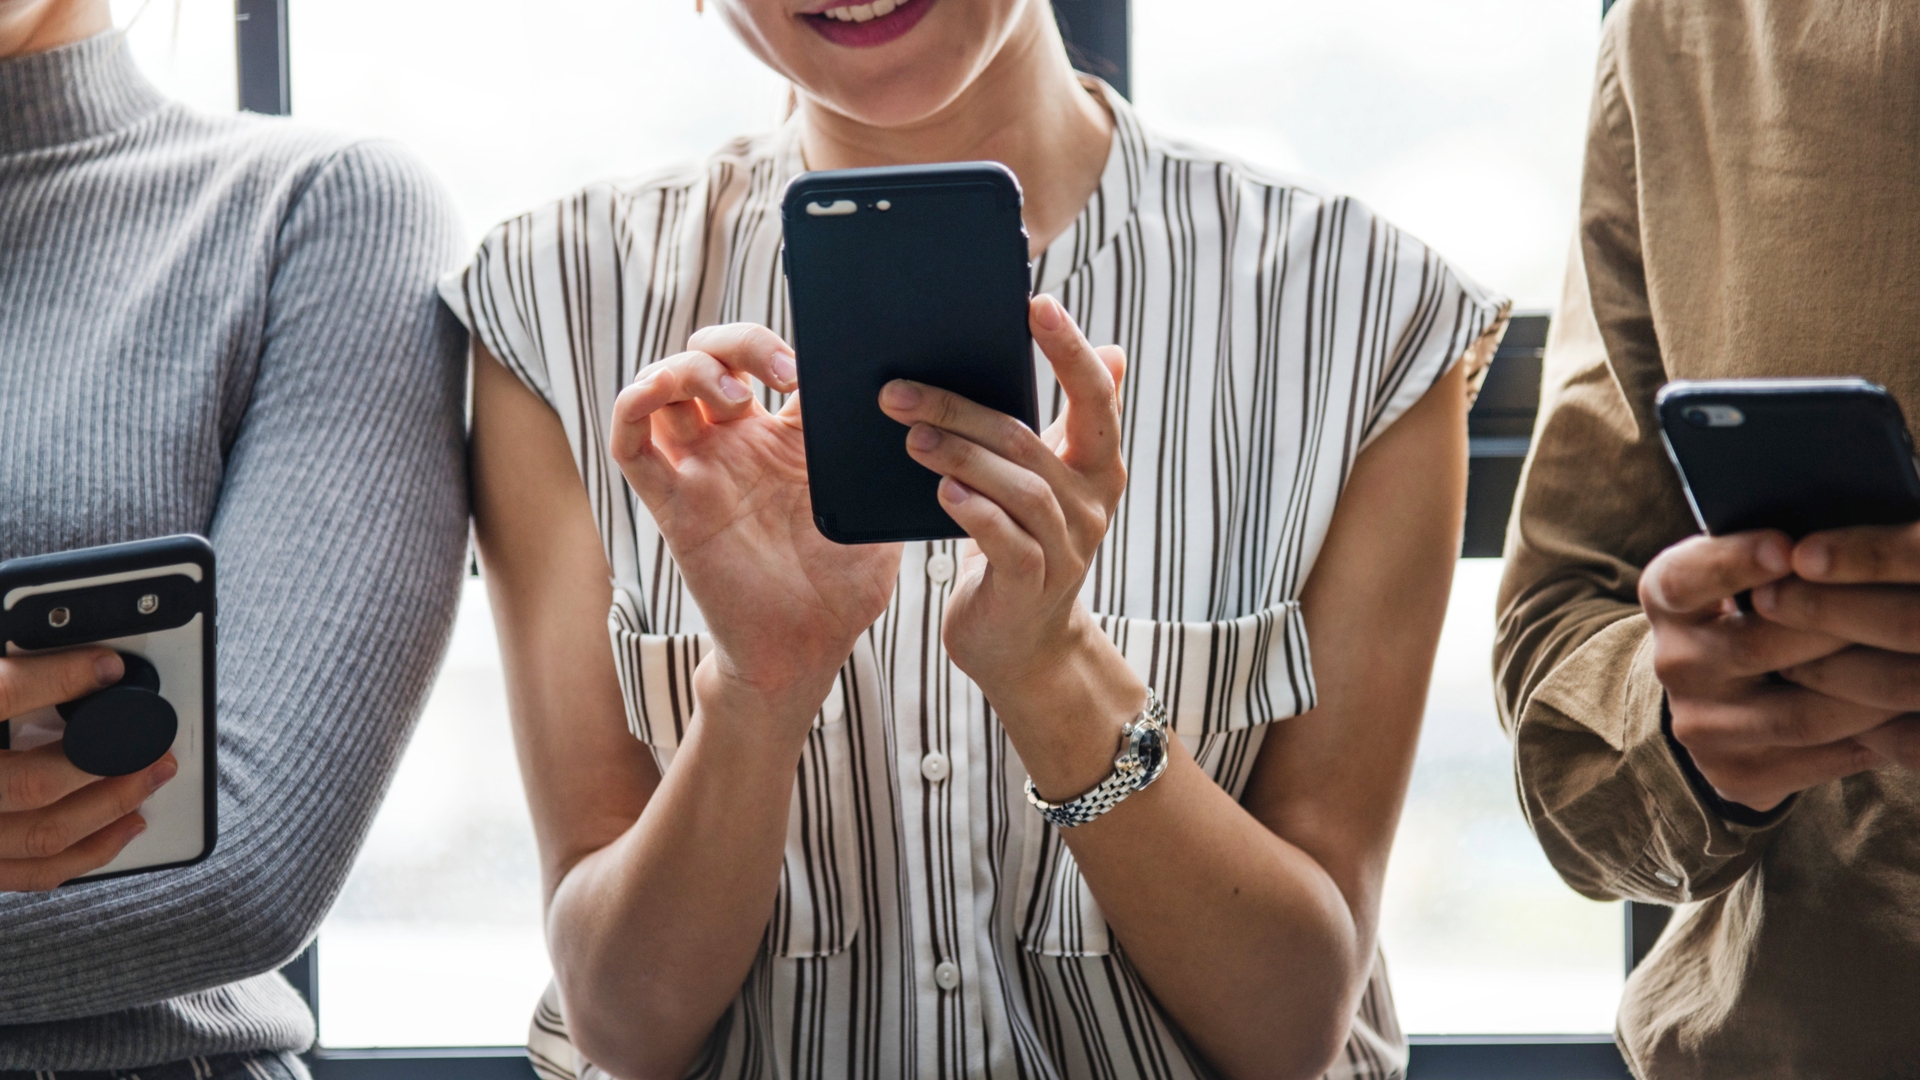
x: 1143, y: 757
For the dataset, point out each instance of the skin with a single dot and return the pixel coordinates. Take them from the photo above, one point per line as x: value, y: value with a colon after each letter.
x: 1253, y: 922
x: 56, y: 822
x: 1818, y: 682
x: 31, y: 26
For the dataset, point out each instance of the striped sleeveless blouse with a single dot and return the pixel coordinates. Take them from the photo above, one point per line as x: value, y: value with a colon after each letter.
x: 928, y: 922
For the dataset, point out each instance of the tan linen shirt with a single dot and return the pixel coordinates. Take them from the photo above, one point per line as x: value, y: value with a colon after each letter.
x: 1750, y: 207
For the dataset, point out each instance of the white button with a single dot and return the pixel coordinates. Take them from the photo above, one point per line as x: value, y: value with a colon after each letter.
x: 947, y: 975
x: 935, y: 766
x: 940, y: 567
x: 1665, y: 878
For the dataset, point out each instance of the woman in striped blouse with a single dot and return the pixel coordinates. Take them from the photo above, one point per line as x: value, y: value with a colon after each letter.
x: 783, y: 820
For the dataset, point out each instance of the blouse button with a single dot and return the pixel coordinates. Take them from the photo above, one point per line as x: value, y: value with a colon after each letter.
x: 947, y: 975
x: 940, y: 567
x: 935, y: 766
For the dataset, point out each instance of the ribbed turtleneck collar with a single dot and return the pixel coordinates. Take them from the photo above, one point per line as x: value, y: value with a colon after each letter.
x: 71, y: 93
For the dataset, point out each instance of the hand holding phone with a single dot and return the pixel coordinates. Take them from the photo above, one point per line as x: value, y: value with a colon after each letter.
x: 1035, y: 506
x: 1807, y: 489
x: 57, y: 822
x: 106, y: 696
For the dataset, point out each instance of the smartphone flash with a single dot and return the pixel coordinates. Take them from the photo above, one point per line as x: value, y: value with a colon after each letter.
x: 883, y: 205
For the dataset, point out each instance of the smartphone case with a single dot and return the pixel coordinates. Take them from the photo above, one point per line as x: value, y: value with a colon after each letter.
x: 153, y: 599
x: 1798, y: 455
x: 913, y: 272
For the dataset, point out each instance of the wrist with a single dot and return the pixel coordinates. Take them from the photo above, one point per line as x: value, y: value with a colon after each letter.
x: 1066, y: 714
x: 726, y: 693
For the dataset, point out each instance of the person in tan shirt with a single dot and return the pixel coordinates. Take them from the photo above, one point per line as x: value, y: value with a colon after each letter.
x: 1750, y: 207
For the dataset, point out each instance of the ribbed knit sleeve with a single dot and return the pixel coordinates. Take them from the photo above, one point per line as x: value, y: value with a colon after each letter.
x: 340, y: 531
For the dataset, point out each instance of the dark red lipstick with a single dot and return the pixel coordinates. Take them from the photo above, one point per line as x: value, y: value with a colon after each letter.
x: 877, y: 30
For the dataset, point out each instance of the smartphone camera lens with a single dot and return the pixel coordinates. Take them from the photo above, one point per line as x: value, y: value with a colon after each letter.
x: 148, y: 604
x: 59, y: 617
x: 1711, y: 416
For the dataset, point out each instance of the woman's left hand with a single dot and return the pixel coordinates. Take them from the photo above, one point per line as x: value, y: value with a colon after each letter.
x: 1036, y: 506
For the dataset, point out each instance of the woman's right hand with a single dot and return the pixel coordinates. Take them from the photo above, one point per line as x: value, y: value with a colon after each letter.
x: 726, y: 482
x: 56, y: 822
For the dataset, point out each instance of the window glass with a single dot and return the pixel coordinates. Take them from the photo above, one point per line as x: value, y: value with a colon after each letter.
x: 1481, y: 935
x: 1461, y: 121
x: 515, y: 102
x: 185, y: 47
x: 436, y: 940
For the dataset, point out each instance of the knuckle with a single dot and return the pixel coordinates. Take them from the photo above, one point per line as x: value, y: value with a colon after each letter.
x: 23, y: 787
x: 43, y: 838
x: 1031, y: 561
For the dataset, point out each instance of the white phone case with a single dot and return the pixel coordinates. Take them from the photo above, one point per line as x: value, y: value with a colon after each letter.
x: 105, y: 584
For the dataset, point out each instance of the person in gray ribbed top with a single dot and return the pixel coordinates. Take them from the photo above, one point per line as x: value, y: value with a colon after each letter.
x: 225, y: 326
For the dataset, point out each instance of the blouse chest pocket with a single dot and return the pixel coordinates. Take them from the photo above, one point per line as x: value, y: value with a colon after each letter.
x: 1222, y: 683
x: 817, y: 908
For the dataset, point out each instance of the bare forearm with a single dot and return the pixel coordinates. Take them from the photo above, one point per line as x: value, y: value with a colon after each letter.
x: 653, y: 935
x: 1245, y: 939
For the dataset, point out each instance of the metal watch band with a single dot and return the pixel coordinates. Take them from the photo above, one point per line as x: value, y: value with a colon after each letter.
x: 1143, y: 757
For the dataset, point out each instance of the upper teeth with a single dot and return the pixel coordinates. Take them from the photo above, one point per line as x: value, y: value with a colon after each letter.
x: 863, y: 12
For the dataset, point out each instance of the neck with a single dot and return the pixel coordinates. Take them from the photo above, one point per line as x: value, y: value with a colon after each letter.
x: 1026, y: 110
x: 38, y: 25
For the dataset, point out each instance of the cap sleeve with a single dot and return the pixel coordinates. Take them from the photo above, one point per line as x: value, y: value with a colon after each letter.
x: 1435, y: 317
x: 496, y: 297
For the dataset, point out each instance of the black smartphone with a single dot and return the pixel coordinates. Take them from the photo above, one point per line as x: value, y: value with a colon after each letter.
x: 1798, y: 455
x: 911, y: 272
x: 153, y: 602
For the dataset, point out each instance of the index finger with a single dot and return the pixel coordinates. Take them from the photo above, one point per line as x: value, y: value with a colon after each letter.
x: 1091, y: 386
x: 1863, y: 555
x: 751, y: 348
x: 1698, y: 575
x: 42, y: 679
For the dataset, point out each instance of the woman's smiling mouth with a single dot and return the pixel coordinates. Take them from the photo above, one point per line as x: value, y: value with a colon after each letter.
x: 862, y: 26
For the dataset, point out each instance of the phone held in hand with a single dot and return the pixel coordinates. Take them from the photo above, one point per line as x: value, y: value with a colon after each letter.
x: 1797, y: 455
x: 153, y: 602
x: 913, y: 272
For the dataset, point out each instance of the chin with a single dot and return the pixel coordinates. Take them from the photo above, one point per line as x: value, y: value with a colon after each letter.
x: 889, y: 70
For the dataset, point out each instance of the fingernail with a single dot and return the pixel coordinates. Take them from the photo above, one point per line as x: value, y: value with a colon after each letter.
x: 1764, y: 598
x: 1815, y: 557
x: 955, y: 492
x: 783, y: 367
x: 158, y: 776
x: 139, y: 826
x: 923, y: 437
x: 108, y: 668
x: 900, y: 394
x: 1774, y: 556
x: 1049, y: 314
x: 733, y: 390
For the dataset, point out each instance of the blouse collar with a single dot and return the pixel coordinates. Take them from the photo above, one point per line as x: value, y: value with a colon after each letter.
x: 1112, y: 203
x: 72, y: 93
x: 1106, y: 213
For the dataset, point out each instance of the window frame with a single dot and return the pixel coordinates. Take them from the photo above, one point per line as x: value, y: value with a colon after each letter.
x: 1499, y: 428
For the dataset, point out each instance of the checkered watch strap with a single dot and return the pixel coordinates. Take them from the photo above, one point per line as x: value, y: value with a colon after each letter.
x: 1131, y: 771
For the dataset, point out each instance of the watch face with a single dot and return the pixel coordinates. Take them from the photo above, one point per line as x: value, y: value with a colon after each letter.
x: 1150, y: 747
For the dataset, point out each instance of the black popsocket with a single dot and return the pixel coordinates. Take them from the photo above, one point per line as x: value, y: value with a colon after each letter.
x: 124, y: 728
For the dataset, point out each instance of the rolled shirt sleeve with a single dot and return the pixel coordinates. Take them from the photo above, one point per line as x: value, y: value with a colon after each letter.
x: 1612, y: 805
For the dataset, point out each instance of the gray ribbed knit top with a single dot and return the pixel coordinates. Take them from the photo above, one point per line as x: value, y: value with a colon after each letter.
x: 226, y: 326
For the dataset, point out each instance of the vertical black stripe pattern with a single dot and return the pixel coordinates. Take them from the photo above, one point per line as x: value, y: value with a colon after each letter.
x: 928, y: 923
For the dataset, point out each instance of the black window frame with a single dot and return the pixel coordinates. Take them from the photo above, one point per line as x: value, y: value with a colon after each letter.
x: 1099, y: 37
